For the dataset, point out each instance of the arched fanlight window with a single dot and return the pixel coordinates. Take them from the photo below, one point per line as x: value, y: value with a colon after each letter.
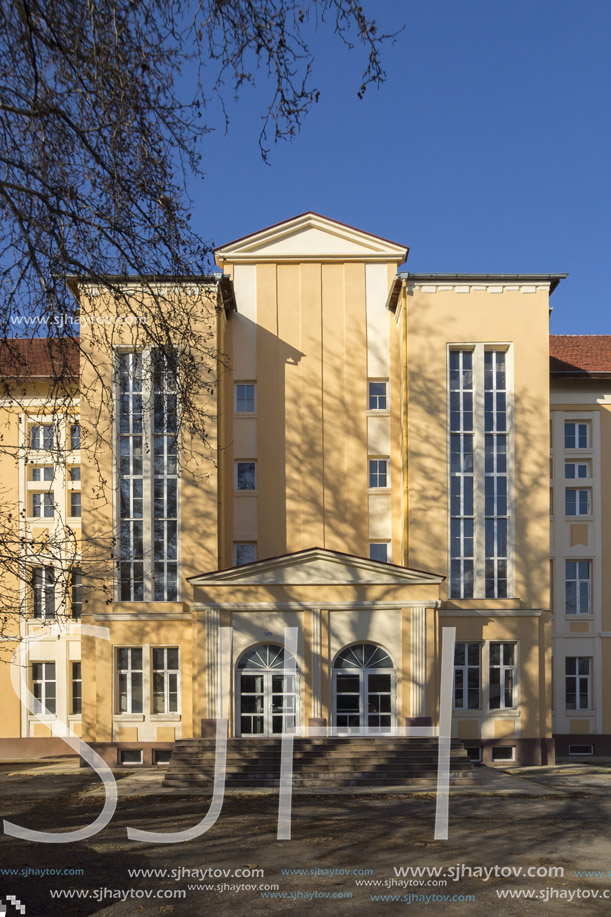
x: 264, y: 656
x: 363, y: 656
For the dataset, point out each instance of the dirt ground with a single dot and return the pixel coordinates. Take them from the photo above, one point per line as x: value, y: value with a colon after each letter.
x: 350, y: 833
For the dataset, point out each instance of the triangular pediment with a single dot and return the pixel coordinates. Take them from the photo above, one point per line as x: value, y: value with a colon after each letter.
x: 317, y: 566
x: 310, y: 237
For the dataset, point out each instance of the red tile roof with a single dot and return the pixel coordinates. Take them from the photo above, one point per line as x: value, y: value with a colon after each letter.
x: 579, y: 354
x: 38, y: 358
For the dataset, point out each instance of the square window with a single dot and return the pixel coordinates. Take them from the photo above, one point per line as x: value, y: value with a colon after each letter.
x: 43, y: 473
x: 245, y: 476
x: 74, y: 473
x: 378, y: 472
x: 576, y: 434
x: 577, y: 502
x: 377, y: 396
x: 244, y: 398
x: 42, y: 436
x: 43, y: 506
x: 379, y: 551
x: 243, y: 553
x: 577, y: 470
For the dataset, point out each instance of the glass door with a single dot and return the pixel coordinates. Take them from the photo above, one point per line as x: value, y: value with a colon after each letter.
x: 363, y: 690
x: 266, y: 694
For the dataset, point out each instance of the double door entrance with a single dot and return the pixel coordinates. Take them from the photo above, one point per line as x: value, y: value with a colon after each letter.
x: 267, y: 692
x: 363, y: 690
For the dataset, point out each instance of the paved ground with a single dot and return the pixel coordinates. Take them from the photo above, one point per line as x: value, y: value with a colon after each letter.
x: 536, y: 818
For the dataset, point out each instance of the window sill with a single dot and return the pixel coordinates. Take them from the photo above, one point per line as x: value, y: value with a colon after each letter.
x: 374, y: 413
x: 246, y: 493
x: 509, y: 713
x: 572, y: 616
x: 245, y: 414
x: 42, y: 718
x: 378, y: 490
x: 128, y: 717
x: 579, y: 518
x: 165, y: 717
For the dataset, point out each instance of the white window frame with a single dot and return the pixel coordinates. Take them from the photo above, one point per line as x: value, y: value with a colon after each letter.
x: 235, y: 399
x: 378, y: 472
x: 74, y: 435
x: 463, y: 670
x: 582, y: 507
x: 579, y: 680
x: 576, y: 433
x: 38, y: 436
x: 72, y: 495
x: 40, y: 475
x: 41, y: 684
x: 44, y: 596
x: 252, y: 490
x: 586, y: 463
x: 241, y: 544
x: 579, y: 582
x: 378, y: 410
x: 76, y: 679
x: 129, y: 671
x: 504, y: 669
x: 43, y: 505
x: 166, y: 673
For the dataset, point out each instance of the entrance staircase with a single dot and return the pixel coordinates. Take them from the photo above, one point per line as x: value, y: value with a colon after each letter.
x: 338, y: 761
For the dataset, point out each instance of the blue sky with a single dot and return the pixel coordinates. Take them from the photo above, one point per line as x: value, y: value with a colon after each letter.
x: 487, y: 149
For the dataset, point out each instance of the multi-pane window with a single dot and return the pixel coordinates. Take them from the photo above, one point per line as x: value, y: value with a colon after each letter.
x: 378, y: 472
x: 75, y: 503
x: 75, y: 436
x: 495, y: 470
x: 131, y: 477
x: 378, y: 550
x: 245, y: 475
x: 129, y: 679
x: 42, y: 436
x: 377, y: 399
x: 43, y: 506
x: 77, y: 689
x: 244, y: 397
x: 76, y: 588
x: 467, y: 676
x: 462, y: 515
x: 74, y: 472
x: 502, y: 676
x: 165, y: 479
x: 577, y: 469
x: 576, y: 434
x: 43, y: 687
x: 577, y: 587
x: 243, y: 553
x: 577, y: 682
x: 166, y: 677
x: 43, y: 592
x: 43, y: 473
x: 577, y: 502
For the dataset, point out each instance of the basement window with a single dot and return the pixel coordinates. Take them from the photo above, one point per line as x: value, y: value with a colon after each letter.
x: 130, y: 757
x: 504, y: 753
x: 581, y: 749
x: 161, y: 755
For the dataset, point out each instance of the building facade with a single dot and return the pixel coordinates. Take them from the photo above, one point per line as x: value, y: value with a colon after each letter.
x: 371, y: 476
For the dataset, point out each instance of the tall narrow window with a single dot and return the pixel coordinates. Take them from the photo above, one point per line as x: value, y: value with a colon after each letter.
x: 462, y: 517
x: 165, y: 479
x: 43, y: 687
x: 495, y: 426
x: 76, y: 585
x: 577, y: 592
x: 75, y: 503
x: 43, y: 592
x: 75, y: 436
x: 129, y: 679
x: 244, y: 398
x: 467, y: 680
x: 131, y: 478
x: 77, y: 688
x: 166, y: 674
x: 577, y: 682
x: 378, y: 473
x: 502, y: 676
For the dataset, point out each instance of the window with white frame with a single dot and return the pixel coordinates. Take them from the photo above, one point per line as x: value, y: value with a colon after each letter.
x: 244, y: 398
x: 148, y: 484
x: 75, y: 503
x: 43, y: 506
x: 43, y: 687
x: 577, y: 470
x: 42, y: 473
x: 378, y: 473
x: 244, y: 552
x: 577, y: 501
x: 377, y: 395
x: 77, y: 689
x: 43, y: 592
x: 166, y: 679
x: 502, y: 676
x: 75, y: 436
x: 245, y: 476
x: 129, y: 679
x: 378, y: 550
x: 480, y: 486
x: 76, y: 588
x: 577, y: 682
x: 467, y: 676
x: 577, y: 434
x: 577, y: 587
x: 42, y: 436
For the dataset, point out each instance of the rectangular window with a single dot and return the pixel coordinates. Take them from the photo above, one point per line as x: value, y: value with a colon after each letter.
x: 166, y: 679
x: 576, y: 435
x: 75, y: 436
x: 577, y: 502
x: 165, y: 478
x: 378, y: 550
x: 495, y: 470
x: 577, y: 682
x: 578, y: 593
x: 75, y: 503
x: 43, y: 592
x: 377, y: 396
x: 131, y: 478
x: 462, y: 513
x: 77, y: 689
x: 42, y: 436
x: 378, y: 472
x: 467, y: 678
x: 129, y: 679
x: 43, y: 506
x: 43, y: 687
x: 244, y: 553
x: 74, y: 473
x: 43, y: 473
x: 245, y: 476
x: 577, y: 470
x: 244, y: 398
x: 76, y: 588
x: 502, y: 676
